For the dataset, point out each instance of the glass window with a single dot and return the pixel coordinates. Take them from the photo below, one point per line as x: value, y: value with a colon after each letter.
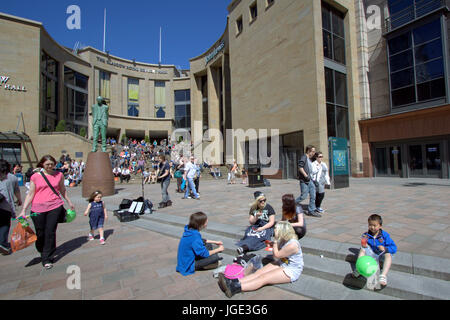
x: 404, y: 96
x: 329, y: 85
x: 433, y: 156
x: 342, y: 124
x: 428, y: 51
x: 337, y: 19
x: 430, y: 70
x: 340, y: 82
x: 133, y: 97
x: 400, y: 43
x: 327, y: 45
x: 333, y: 34
x: 401, y: 61
x: 422, y: 73
x: 431, y: 90
x: 331, y: 120
x: 427, y: 32
x: 105, y: 86
x: 326, y: 18
x: 402, y: 78
x: 415, y: 160
x: 404, y: 11
x: 160, y: 99
x: 239, y: 25
x: 381, y: 161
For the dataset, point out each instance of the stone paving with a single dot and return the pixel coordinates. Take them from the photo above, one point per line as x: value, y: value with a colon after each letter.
x: 139, y: 264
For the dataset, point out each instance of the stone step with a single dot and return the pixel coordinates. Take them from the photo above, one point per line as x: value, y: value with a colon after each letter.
x: 417, y: 264
x: 324, y: 277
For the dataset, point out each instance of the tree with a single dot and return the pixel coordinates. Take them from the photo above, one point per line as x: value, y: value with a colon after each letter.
x: 61, y: 127
x: 83, y: 132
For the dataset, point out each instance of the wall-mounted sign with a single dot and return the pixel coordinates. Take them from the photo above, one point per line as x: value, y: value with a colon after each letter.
x: 10, y: 87
x: 216, y: 51
x: 119, y: 65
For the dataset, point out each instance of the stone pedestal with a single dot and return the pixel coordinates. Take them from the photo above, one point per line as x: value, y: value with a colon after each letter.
x: 98, y: 175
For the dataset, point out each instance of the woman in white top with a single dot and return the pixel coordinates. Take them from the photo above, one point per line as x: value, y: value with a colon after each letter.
x: 321, y: 178
x: 287, y: 267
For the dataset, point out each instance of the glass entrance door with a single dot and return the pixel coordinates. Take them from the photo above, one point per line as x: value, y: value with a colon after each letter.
x: 425, y: 160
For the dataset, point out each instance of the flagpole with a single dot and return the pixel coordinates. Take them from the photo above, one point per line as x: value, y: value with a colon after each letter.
x: 160, y: 45
x: 104, y: 30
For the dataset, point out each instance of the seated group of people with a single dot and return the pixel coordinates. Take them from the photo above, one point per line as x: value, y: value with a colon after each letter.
x: 285, y: 264
x: 195, y: 253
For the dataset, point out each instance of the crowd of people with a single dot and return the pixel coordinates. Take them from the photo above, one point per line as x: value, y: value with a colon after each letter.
x: 47, y: 192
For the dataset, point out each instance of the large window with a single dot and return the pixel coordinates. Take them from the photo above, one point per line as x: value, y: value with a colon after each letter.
x: 337, y: 104
x: 205, y: 103
x: 133, y: 97
x: 417, y: 66
x: 75, y: 100
x: 183, y: 109
x: 105, y: 86
x: 160, y: 99
x: 404, y: 11
x: 333, y: 34
x: 49, y: 93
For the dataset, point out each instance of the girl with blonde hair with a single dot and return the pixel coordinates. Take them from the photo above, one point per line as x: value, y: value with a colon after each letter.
x: 286, y: 268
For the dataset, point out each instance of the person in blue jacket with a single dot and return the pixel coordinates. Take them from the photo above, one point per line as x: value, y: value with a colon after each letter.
x: 195, y: 253
x: 378, y: 244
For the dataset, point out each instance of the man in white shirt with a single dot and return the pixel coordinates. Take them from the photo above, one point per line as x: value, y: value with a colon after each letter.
x: 190, y: 171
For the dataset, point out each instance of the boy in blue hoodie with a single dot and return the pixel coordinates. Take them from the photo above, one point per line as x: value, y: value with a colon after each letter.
x: 378, y: 244
x: 194, y: 253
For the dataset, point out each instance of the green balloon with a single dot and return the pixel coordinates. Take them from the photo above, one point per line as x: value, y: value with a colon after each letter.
x: 71, y: 215
x: 366, y: 266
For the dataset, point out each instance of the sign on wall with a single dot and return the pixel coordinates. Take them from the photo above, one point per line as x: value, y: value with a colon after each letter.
x: 11, y: 87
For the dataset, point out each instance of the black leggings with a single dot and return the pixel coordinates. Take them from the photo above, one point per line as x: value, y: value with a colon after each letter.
x: 204, y: 262
x: 45, y: 224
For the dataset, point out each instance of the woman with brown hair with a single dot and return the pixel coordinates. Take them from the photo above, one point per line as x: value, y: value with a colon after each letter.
x: 47, y: 206
x: 293, y: 214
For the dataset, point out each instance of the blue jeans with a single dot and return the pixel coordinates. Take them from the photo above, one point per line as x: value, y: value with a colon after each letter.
x: 306, y: 188
x: 190, y: 185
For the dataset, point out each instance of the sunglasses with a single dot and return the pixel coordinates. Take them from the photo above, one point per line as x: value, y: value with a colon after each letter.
x: 320, y: 157
x: 262, y: 200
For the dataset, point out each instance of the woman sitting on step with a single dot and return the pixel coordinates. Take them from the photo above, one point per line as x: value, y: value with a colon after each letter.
x: 287, y: 267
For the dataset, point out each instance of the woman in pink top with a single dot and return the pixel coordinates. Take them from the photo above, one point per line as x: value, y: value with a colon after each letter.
x: 48, y: 206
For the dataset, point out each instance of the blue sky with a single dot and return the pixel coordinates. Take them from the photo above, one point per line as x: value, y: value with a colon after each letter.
x: 189, y: 27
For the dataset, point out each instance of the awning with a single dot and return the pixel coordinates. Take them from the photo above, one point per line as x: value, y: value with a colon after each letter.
x: 13, y: 136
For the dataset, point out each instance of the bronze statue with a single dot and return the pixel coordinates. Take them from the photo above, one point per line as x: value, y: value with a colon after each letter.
x: 99, y: 122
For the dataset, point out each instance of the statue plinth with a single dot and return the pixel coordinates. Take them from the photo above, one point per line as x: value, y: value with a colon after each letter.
x: 98, y: 175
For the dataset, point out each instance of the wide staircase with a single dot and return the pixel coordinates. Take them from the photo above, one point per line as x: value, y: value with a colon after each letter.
x: 328, y: 265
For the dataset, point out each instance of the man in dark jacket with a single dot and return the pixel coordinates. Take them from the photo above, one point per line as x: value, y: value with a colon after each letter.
x: 306, y: 184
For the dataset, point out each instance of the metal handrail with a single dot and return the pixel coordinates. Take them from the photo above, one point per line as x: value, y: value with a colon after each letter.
x: 412, y: 12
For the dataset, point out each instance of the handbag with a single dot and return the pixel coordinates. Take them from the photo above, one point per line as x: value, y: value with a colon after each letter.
x: 234, y: 271
x: 22, y: 237
x: 62, y: 217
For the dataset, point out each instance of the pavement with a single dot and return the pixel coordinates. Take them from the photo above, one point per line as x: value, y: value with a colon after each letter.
x: 139, y: 263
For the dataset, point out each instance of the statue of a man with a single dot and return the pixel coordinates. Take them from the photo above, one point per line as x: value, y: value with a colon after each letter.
x: 99, y: 122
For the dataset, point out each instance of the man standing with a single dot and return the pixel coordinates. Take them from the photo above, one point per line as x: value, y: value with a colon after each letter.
x: 99, y: 122
x: 306, y: 184
x: 164, y: 177
x: 190, y: 171
x: 9, y: 186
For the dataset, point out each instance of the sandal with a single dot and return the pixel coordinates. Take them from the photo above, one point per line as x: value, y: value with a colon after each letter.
x: 382, y: 279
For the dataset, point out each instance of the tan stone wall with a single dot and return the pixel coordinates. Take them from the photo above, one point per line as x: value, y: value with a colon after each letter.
x: 56, y: 142
x: 20, y: 58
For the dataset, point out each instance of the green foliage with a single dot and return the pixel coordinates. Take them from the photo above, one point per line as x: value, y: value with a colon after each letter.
x: 147, y: 139
x: 124, y: 139
x: 61, y: 127
x: 83, y: 132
